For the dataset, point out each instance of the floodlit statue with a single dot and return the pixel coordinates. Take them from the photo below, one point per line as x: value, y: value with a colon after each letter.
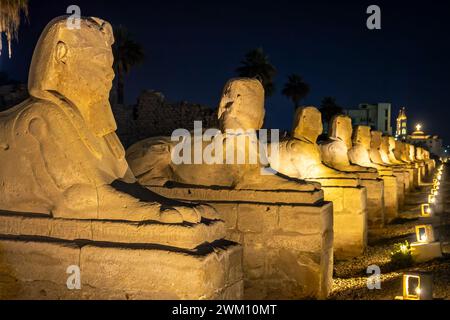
x: 241, y: 114
x: 387, y: 150
x: 335, y: 149
x: 59, y: 153
x: 360, y: 154
x: 300, y: 156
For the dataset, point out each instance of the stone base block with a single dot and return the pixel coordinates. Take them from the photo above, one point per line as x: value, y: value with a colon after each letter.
x: 287, y: 238
x: 401, y: 188
x: 375, y: 202
x: 117, y: 259
x: 350, y: 220
x: 39, y: 269
x: 390, y: 198
x: 423, y: 252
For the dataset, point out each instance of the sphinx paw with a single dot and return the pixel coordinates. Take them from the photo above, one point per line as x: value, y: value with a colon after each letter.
x: 189, y: 214
x: 170, y: 216
x: 207, y: 211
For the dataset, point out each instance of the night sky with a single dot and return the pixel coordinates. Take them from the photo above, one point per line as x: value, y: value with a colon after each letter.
x: 194, y: 47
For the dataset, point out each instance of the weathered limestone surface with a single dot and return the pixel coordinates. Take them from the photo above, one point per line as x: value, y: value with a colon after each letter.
x: 287, y: 238
x: 300, y: 157
x: 69, y: 198
x: 36, y: 269
x: 129, y: 232
x: 334, y: 153
x: 360, y: 154
x: 375, y: 202
x: 350, y: 220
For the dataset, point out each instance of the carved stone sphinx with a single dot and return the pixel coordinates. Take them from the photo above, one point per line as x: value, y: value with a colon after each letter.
x: 402, y: 153
x: 360, y: 154
x: 387, y: 154
x: 377, y: 156
x: 64, y: 177
x: 335, y: 154
x: 284, y: 223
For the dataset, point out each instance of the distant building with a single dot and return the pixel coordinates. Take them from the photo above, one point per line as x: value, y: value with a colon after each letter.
x: 418, y: 138
x: 430, y: 142
x: 377, y: 116
x: 402, y: 129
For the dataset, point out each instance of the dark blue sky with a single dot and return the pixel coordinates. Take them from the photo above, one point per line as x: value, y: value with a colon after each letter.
x: 193, y: 47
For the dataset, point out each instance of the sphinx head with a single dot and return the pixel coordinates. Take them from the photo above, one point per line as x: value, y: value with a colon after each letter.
x: 385, y: 147
x: 361, y: 135
x: 375, y: 139
x: 242, y: 105
x: 75, y: 65
x: 341, y: 128
x: 307, y: 124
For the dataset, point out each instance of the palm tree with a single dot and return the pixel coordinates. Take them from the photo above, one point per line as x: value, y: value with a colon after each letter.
x: 329, y: 108
x: 296, y: 89
x: 127, y: 54
x: 10, y: 11
x: 257, y: 65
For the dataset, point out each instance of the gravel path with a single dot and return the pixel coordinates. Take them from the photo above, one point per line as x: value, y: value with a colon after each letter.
x: 350, y: 277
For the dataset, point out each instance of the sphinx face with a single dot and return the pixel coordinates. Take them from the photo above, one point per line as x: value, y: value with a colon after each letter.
x: 341, y: 128
x: 307, y: 124
x: 76, y: 65
x: 242, y: 105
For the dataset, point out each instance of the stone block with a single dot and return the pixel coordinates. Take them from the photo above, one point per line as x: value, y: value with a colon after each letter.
x: 423, y: 252
x: 390, y: 198
x: 375, y: 202
x: 38, y: 268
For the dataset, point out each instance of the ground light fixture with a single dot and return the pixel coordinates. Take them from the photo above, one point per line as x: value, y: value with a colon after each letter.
x: 416, y: 286
x: 424, y: 233
x: 425, y: 210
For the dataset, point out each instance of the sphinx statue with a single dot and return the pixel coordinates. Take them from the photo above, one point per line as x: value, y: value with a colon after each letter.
x: 378, y: 156
x: 360, y: 154
x: 256, y: 202
x: 335, y: 149
x: 335, y: 154
x: 300, y: 156
x: 241, y: 114
x: 387, y: 153
x: 59, y: 153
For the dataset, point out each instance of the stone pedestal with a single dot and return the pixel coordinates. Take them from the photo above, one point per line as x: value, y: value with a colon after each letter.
x: 423, y: 252
x: 390, y: 198
x: 117, y: 260
x: 287, y: 238
x: 375, y: 202
x: 401, y: 178
x: 350, y: 220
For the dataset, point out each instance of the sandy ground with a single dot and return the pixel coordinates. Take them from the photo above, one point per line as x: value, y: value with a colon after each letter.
x: 350, y: 277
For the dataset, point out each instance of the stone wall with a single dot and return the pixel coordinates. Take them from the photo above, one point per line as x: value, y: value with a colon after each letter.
x: 153, y: 116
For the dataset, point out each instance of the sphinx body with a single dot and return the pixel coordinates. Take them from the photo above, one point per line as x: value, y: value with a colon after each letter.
x: 387, y: 154
x: 59, y: 152
x: 335, y: 153
x: 300, y: 156
x: 360, y: 154
x: 241, y: 114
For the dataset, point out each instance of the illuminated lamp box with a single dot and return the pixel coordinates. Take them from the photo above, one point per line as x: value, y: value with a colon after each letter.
x: 425, y: 248
x: 416, y: 286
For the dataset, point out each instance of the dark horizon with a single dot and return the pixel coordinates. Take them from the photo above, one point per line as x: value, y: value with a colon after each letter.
x: 192, y: 49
